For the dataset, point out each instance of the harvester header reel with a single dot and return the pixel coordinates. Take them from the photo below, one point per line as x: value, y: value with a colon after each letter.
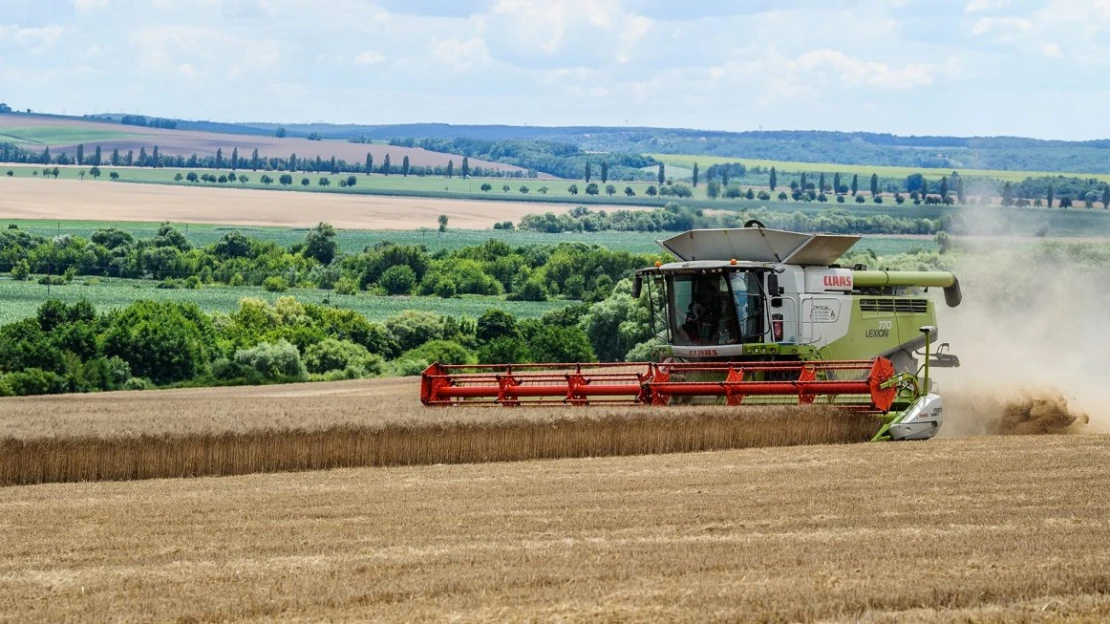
x: 863, y: 385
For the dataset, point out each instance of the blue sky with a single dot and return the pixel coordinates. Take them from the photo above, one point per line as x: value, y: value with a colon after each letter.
x: 965, y: 67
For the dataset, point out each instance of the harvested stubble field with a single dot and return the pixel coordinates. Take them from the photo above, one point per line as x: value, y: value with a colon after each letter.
x: 188, y: 433
x: 995, y: 529
x: 25, y: 198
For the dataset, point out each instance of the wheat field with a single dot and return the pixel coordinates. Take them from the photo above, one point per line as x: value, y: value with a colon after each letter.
x: 229, y: 431
x: 989, y: 529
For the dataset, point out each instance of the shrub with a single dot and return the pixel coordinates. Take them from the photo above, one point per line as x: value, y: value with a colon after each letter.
x: 33, y: 381
x: 409, y: 368
x: 275, y: 283
x: 503, y: 350
x: 279, y: 361
x: 136, y: 383
x: 346, y: 286
x: 21, y: 271
x: 398, y: 280
x: 413, y: 328
x: 442, y: 351
x: 332, y: 355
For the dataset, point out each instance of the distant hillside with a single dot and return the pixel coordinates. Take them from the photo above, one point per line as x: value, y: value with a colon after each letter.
x: 849, y: 148
x: 32, y: 134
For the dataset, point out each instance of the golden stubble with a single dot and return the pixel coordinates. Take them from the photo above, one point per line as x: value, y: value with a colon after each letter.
x: 992, y: 529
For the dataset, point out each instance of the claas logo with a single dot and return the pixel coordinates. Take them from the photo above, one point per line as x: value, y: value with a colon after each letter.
x: 838, y: 281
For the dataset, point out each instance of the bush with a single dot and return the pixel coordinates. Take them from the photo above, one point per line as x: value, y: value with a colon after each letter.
x: 413, y: 328
x: 279, y: 361
x: 21, y: 271
x: 53, y: 280
x: 163, y: 341
x: 503, y: 350
x: 136, y: 383
x: 442, y: 351
x: 34, y: 381
x: 275, y: 283
x: 398, y: 280
x: 332, y: 355
x: 409, y: 368
x: 346, y: 286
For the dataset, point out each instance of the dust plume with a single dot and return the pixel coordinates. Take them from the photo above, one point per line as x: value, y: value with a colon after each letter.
x: 1032, y: 335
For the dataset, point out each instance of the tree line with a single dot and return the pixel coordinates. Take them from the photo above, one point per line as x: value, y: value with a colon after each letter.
x: 571, y: 271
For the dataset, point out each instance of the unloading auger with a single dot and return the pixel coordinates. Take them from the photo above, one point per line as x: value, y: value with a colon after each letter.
x: 753, y: 316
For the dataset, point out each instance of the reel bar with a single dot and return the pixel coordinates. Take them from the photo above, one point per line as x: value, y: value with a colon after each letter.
x: 651, y: 383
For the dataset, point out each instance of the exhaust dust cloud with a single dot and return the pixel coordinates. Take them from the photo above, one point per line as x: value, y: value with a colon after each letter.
x: 1031, y: 334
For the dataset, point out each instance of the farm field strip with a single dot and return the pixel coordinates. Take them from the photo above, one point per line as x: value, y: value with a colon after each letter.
x: 26, y: 198
x: 990, y: 529
x: 884, y: 171
x: 20, y: 300
x: 143, y: 435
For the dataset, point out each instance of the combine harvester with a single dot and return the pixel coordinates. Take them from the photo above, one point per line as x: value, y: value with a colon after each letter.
x: 753, y: 316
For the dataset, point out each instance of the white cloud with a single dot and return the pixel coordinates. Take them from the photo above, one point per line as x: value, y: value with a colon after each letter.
x: 1051, y: 50
x: 33, y: 39
x: 460, y: 54
x: 976, y: 6
x: 369, y: 57
x: 1006, y: 26
x: 852, y: 71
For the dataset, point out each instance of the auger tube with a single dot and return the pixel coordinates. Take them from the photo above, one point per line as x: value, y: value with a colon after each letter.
x: 937, y: 279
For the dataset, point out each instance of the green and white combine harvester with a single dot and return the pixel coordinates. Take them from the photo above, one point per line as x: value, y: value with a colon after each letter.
x: 754, y: 316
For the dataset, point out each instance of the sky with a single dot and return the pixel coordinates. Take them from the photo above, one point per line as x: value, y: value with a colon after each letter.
x: 1034, y: 68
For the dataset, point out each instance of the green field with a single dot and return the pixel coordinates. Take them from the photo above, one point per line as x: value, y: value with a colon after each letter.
x: 430, y: 186
x: 22, y: 299
x: 58, y: 135
x: 352, y: 241
x: 687, y: 161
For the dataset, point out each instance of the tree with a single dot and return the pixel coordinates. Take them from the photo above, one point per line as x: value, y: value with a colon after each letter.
x: 324, y: 181
x: 610, y: 190
x: 855, y: 184
x: 115, y: 157
x: 405, y: 166
x: 836, y: 183
x: 191, y: 176
x: 115, y: 176
x: 486, y: 187
x: 235, y: 158
x: 219, y: 158
x: 256, y: 162
x: 280, y: 132
x: 629, y: 192
x: 506, y: 188
x: 589, y: 172
x: 874, y: 184
x: 305, y: 182
x: 604, y: 172
x: 95, y: 172
x: 573, y: 189
x: 1050, y: 193
x: 774, y: 179
x: 1106, y: 196
x: 943, y: 187
x: 802, y: 184
x: 385, y: 165
x: 320, y: 243
x: 713, y: 189
x: 695, y: 176
x: 465, y: 167
x: 96, y: 157
x: 163, y: 341
x: 591, y: 188
x: 351, y: 181
x: 369, y: 163
x: 524, y: 189
x: 662, y: 177
x: 651, y: 190
x: 442, y: 220
x: 285, y: 179
x: 450, y: 168
x: 961, y: 194
x: 398, y: 280
x: 80, y: 155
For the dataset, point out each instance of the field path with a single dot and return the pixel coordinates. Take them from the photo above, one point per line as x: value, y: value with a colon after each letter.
x: 107, y: 201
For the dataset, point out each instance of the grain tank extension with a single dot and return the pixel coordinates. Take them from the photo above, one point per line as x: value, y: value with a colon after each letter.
x: 755, y: 316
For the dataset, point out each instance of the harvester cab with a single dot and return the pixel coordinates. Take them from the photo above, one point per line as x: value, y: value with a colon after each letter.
x: 754, y: 316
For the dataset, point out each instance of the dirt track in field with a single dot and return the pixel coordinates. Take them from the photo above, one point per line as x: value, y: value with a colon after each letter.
x: 99, y: 200
x: 992, y: 529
